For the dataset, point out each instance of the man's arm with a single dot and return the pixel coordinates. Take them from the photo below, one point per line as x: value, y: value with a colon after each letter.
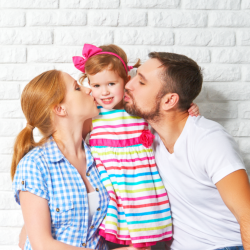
x: 235, y: 192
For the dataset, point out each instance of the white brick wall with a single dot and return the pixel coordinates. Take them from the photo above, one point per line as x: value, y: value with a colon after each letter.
x: 38, y: 35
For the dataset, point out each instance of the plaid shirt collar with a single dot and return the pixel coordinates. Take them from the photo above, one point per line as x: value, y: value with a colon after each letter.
x: 53, y: 153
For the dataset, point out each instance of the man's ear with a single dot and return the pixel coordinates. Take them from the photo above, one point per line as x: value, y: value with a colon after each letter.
x: 60, y: 110
x: 170, y: 101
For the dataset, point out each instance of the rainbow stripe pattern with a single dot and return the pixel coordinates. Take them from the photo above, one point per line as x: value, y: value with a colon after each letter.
x: 139, y: 210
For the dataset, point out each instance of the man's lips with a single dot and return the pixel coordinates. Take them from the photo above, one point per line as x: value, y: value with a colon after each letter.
x: 126, y: 97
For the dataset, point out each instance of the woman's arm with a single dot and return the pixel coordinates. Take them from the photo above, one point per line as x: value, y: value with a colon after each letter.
x: 37, y: 221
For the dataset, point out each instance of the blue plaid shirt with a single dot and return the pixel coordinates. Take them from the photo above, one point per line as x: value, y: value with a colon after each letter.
x: 45, y: 172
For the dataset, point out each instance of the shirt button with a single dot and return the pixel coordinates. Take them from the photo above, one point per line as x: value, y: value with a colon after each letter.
x: 88, y: 174
x: 22, y: 182
x: 83, y: 244
x: 97, y: 189
x: 98, y: 209
x: 92, y: 227
x: 57, y: 210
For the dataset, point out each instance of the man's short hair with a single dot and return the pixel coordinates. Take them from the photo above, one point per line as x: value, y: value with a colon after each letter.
x: 180, y: 75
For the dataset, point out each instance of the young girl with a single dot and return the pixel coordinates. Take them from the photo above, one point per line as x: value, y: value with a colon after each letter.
x: 138, y: 212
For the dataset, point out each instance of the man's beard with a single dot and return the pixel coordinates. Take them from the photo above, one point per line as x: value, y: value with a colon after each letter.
x: 152, y: 115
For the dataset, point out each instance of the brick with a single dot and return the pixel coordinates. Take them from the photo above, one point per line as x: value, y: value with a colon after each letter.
x: 12, y: 19
x: 236, y: 55
x: 221, y: 73
x: 244, y: 145
x: 10, y: 127
x: 25, y: 36
x: 89, y: 4
x: 229, y: 19
x: 81, y: 36
x: 218, y: 110
x: 230, y: 91
x: 134, y: 53
x: 13, y: 218
x: 5, y: 185
x: 245, y: 4
x: 177, y: 19
x: 56, y: 18
x: 21, y: 72
x: 13, y: 247
x: 161, y: 4
x: 198, y: 55
x: 243, y: 37
x: 146, y: 37
x: 9, y: 236
x: 244, y: 110
x: 211, y: 4
x: 237, y: 128
x: 29, y: 4
x: 247, y: 163
x: 246, y: 73
x: 7, y: 202
x: 103, y: 18
x: 12, y: 55
x: 11, y: 109
x: 53, y: 54
x: 132, y: 18
x: 70, y: 69
x: 205, y: 38
x: 5, y: 163
x: 9, y: 91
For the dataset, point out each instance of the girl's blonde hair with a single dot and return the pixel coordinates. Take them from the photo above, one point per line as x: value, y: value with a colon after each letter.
x: 38, y: 99
x: 98, y: 63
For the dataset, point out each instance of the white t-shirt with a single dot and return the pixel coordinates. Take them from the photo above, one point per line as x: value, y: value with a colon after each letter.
x: 203, y: 154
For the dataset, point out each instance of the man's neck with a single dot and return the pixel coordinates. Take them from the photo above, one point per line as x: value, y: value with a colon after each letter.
x: 170, y: 127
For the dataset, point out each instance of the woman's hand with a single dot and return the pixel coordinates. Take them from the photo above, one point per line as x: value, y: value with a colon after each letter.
x: 22, y: 238
x: 194, y: 110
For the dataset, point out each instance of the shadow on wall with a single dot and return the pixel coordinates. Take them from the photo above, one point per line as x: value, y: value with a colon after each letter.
x: 222, y: 105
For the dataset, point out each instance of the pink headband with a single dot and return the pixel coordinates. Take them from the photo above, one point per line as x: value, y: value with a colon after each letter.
x: 91, y: 50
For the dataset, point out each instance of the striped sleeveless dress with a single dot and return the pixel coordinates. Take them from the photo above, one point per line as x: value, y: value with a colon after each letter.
x: 138, y: 211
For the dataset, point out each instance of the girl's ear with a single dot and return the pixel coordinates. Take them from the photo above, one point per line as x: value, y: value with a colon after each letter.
x: 60, y: 110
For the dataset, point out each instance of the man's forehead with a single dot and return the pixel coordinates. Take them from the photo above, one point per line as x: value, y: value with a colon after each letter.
x: 151, y: 66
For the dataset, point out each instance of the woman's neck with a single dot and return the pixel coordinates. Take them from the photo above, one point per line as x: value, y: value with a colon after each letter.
x: 68, y: 136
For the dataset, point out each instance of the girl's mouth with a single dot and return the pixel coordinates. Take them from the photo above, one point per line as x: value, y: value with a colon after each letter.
x: 107, y: 100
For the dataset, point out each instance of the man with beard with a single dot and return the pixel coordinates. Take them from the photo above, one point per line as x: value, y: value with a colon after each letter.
x: 198, y: 160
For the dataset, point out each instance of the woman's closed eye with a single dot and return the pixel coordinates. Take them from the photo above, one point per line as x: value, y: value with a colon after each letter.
x: 142, y: 83
x: 77, y: 87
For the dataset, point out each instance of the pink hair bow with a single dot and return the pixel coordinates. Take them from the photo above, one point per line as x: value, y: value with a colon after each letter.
x: 87, y: 51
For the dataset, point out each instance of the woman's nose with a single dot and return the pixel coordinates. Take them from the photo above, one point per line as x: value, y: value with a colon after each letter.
x: 88, y: 90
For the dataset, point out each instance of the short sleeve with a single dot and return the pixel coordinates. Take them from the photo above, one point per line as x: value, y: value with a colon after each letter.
x: 219, y: 154
x: 28, y: 177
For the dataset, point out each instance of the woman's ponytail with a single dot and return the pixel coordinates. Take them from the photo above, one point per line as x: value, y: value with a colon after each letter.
x: 38, y: 98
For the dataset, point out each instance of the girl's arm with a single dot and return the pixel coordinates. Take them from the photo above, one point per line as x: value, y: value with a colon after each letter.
x: 37, y: 221
x: 22, y: 238
x: 194, y: 110
x: 87, y: 128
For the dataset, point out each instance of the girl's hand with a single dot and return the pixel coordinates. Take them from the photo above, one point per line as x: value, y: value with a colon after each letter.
x: 22, y: 238
x: 194, y: 110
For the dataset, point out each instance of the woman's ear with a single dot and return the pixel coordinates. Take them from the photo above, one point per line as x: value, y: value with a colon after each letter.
x: 60, y: 110
x: 170, y: 101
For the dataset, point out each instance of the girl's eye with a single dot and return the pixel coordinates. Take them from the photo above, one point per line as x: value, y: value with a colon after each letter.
x: 111, y: 84
x: 96, y: 86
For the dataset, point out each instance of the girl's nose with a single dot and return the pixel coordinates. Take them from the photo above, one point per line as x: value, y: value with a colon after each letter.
x: 105, y: 91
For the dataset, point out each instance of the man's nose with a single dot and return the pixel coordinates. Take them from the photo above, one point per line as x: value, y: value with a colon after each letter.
x: 129, y: 84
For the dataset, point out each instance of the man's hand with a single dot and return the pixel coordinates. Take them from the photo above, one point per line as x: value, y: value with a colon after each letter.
x: 22, y: 238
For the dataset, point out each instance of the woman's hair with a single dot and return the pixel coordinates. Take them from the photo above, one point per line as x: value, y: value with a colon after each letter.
x: 38, y: 98
x: 98, y: 63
